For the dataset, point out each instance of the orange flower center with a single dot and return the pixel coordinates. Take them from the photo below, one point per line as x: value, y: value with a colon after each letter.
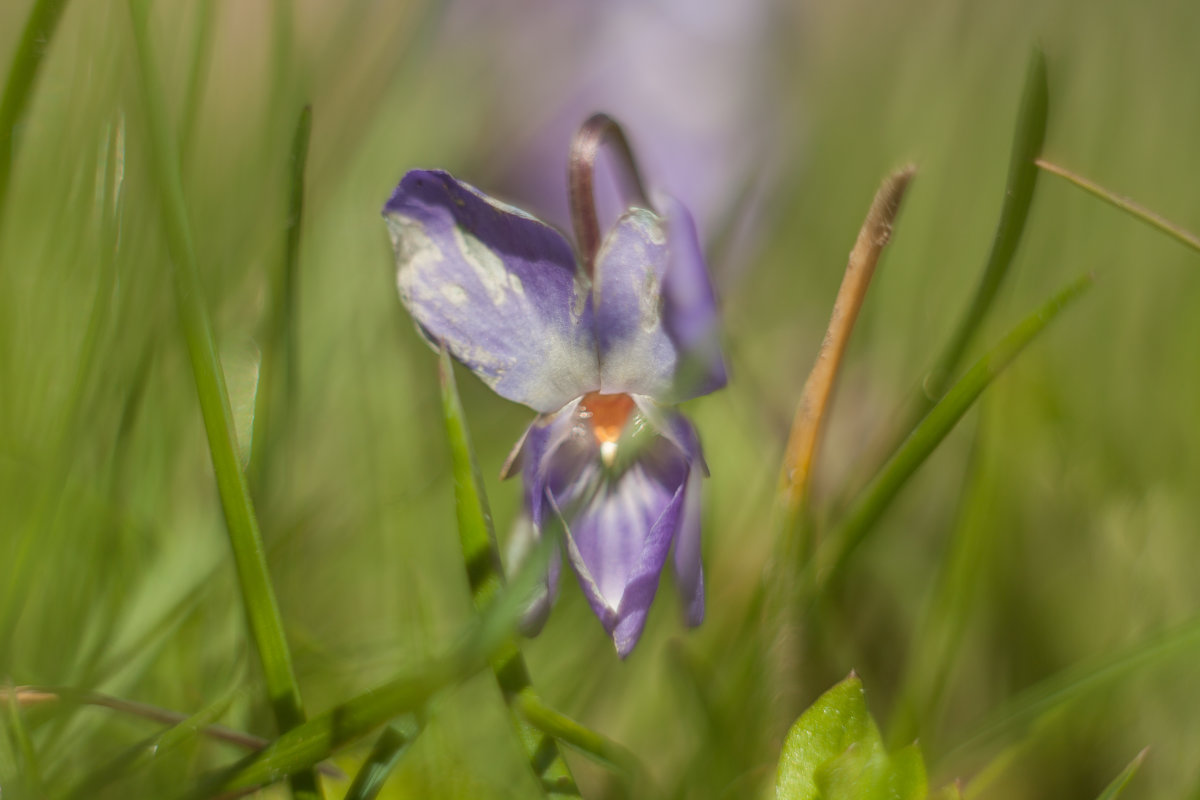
x: 608, y: 414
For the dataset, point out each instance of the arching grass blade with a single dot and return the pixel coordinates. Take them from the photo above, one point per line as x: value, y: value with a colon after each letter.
x: 878, y: 495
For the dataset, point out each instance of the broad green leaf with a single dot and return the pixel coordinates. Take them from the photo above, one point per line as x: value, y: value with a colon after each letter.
x: 837, y: 721
x: 835, y: 752
x: 863, y: 773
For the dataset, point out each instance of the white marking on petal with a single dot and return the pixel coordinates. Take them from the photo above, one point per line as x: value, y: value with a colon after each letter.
x: 415, y: 250
x: 487, y: 266
x: 650, y: 302
x: 455, y: 294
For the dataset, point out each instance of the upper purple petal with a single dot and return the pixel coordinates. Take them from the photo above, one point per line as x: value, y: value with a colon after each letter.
x: 636, y: 353
x: 656, y: 314
x: 496, y: 286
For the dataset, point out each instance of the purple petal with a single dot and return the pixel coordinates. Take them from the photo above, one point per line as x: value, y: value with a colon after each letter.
x: 619, y: 534
x: 689, y: 571
x: 656, y: 315
x: 690, y: 307
x: 496, y: 286
x: 636, y: 353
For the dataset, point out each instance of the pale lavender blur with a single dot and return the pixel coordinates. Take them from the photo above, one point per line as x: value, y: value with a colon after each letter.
x: 691, y: 81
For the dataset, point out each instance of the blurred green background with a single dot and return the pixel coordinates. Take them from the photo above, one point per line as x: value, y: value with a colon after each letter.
x: 1072, y: 489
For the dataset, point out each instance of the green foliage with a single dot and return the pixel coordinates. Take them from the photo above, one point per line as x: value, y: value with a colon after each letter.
x: 834, y: 752
x: 1114, y: 789
x: 1017, y: 586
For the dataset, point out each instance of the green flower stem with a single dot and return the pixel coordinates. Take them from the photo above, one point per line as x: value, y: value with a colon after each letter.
x: 485, y: 576
x: 1147, y: 216
x: 878, y: 495
x: 592, y: 744
x: 258, y: 596
x: 27, y: 61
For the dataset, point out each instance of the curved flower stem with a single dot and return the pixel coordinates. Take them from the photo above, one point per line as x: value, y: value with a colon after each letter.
x: 597, y: 131
x: 1125, y: 204
x: 874, y: 235
x: 485, y: 575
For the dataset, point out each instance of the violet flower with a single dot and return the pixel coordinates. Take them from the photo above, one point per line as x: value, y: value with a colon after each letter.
x: 601, y: 347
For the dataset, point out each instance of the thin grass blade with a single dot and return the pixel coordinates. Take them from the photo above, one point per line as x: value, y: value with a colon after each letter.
x: 1079, y: 681
x: 277, y: 375
x: 1014, y: 212
x: 31, y: 51
x: 1156, y: 221
x: 389, y: 748
x: 258, y: 596
x: 878, y: 495
x: 1114, y: 789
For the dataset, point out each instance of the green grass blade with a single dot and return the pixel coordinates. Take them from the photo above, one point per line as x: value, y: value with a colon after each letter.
x: 1156, y: 221
x: 277, y: 374
x: 879, y: 494
x: 1080, y: 680
x: 27, y: 61
x: 939, y: 633
x: 1114, y: 789
x: 481, y: 557
x: 204, y: 27
x: 257, y: 594
x: 1014, y: 211
x: 314, y: 741
x: 389, y: 748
